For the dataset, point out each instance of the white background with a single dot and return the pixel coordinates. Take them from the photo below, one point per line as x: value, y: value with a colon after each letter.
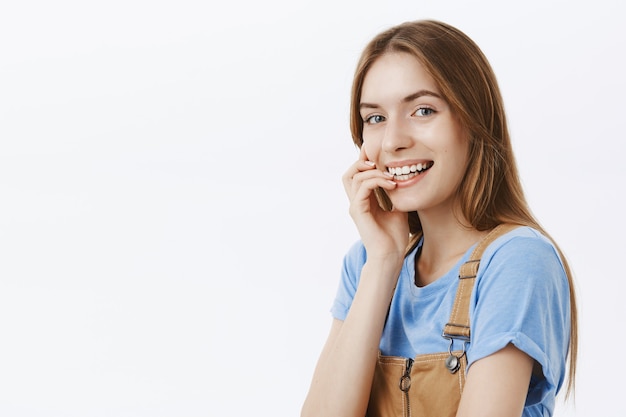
x: 172, y: 221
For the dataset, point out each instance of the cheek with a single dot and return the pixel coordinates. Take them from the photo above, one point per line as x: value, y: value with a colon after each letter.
x: 371, y: 148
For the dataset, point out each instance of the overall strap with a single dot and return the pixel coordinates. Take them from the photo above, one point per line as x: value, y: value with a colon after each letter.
x: 458, y: 327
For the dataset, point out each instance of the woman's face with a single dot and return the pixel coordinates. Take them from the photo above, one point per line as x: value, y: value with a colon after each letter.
x: 410, y: 131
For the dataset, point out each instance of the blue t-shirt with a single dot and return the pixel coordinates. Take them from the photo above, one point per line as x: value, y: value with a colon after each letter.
x: 521, y: 296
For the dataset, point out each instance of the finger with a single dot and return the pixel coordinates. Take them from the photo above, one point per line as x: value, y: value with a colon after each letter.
x: 354, y: 183
x: 365, y: 201
x: 362, y: 193
x: 356, y: 168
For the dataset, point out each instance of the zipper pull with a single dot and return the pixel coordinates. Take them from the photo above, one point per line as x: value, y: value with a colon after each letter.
x: 405, y: 380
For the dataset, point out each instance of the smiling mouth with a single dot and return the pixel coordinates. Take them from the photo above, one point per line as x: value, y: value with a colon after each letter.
x: 409, y: 171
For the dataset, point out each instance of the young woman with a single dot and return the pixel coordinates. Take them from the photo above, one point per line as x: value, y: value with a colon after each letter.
x: 434, y: 179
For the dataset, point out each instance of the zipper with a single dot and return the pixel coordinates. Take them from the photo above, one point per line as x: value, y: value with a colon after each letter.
x: 405, y: 385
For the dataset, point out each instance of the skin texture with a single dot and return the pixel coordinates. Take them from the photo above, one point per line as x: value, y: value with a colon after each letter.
x: 406, y: 122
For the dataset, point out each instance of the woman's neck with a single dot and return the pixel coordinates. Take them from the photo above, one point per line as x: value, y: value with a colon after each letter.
x: 445, y: 241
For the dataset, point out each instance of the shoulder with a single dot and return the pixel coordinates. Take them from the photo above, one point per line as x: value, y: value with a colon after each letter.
x: 356, y: 256
x: 521, y: 238
x: 523, y: 248
x: 522, y: 262
x: 353, y: 262
x: 521, y: 296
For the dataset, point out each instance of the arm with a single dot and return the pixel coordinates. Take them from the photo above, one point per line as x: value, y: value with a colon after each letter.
x: 497, y: 385
x: 521, y: 313
x: 343, y: 377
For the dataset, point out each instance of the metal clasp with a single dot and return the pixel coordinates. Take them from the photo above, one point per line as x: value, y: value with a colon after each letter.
x: 453, y: 362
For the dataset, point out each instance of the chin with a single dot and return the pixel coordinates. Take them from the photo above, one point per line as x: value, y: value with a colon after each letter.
x: 404, y: 205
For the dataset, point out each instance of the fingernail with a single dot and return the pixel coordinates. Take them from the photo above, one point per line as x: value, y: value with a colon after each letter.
x: 388, y: 174
x: 370, y: 163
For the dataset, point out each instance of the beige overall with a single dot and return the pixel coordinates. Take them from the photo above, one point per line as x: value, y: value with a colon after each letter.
x: 431, y: 384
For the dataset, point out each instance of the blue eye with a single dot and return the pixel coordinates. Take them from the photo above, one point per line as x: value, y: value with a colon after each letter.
x: 424, y: 111
x: 375, y: 119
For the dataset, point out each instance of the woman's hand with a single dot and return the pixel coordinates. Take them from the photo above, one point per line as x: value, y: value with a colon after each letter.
x: 343, y: 376
x: 383, y: 233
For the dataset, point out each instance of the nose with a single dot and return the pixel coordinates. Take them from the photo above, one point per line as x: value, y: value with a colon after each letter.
x: 397, y: 136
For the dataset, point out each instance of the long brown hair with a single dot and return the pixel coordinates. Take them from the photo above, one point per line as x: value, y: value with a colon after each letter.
x: 490, y: 192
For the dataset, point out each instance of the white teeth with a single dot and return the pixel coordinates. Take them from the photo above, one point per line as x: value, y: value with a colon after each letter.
x: 408, y: 171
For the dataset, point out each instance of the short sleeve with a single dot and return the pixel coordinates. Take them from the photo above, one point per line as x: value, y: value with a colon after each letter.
x: 522, y: 297
x: 353, y: 263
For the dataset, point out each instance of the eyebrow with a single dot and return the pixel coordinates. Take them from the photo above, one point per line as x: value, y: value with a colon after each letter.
x: 406, y: 99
